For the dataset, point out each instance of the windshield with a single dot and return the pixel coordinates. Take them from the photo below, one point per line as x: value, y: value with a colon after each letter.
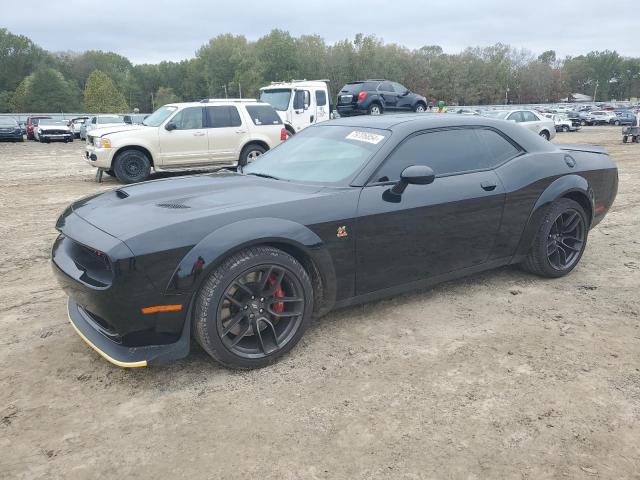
x: 497, y: 114
x: 8, y: 122
x: 53, y: 122
x: 323, y: 154
x: 278, y: 98
x: 159, y: 116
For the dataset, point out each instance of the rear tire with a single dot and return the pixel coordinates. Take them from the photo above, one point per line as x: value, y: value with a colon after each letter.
x: 375, y: 109
x: 565, y: 128
x: 250, y: 153
x: 420, y: 108
x: 131, y: 166
x: 556, y: 238
x: 252, y: 339
x: 544, y: 134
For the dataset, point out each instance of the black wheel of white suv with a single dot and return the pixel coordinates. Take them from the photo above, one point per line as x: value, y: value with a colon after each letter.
x: 253, y: 308
x: 131, y: 166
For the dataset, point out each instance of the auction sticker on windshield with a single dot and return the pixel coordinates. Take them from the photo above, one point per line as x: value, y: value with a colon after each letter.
x: 365, y: 137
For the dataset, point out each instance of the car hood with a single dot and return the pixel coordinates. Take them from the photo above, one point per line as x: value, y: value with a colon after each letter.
x: 109, y: 129
x: 198, y: 204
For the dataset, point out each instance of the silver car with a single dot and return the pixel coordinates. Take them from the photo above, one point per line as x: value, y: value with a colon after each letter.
x: 534, y: 121
x: 100, y: 121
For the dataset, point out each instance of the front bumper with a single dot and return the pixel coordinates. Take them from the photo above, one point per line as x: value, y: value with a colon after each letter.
x: 120, y: 355
x: 10, y: 136
x: 98, y: 157
x: 108, y: 293
x: 60, y: 137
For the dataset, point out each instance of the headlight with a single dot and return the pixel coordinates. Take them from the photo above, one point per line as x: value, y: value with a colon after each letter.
x: 96, y: 141
x: 106, y: 143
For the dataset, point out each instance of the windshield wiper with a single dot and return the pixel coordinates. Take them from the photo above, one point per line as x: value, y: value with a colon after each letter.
x: 263, y: 175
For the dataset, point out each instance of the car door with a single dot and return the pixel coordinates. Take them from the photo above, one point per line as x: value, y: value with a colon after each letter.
x: 434, y: 229
x: 322, y: 106
x: 185, y: 141
x: 403, y: 97
x: 531, y: 121
x: 302, y: 109
x: 227, y: 132
x: 389, y: 95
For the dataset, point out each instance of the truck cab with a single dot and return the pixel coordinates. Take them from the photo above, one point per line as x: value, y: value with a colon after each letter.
x: 299, y: 103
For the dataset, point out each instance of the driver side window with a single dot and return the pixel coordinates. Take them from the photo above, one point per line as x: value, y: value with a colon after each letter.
x: 446, y: 152
x: 188, y: 119
x: 517, y: 116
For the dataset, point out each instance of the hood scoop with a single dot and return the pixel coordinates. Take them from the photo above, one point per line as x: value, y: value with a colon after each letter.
x: 121, y: 193
x: 172, y: 206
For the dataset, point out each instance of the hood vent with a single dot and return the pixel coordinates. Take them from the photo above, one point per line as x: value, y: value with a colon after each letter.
x: 172, y: 206
x: 121, y: 193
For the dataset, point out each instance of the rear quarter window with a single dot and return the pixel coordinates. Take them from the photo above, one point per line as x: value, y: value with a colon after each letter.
x: 263, y: 115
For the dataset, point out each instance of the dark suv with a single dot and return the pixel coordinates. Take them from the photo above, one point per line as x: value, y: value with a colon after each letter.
x: 374, y: 97
x: 624, y: 117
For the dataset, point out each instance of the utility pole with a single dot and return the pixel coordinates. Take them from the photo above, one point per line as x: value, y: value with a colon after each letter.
x: 225, y: 91
x: 595, y: 92
x: 153, y: 103
x: 240, y: 89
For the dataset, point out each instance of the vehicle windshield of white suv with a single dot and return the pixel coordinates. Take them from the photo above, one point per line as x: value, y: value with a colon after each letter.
x: 159, y: 116
x: 50, y: 121
x: 278, y: 98
x: 323, y: 154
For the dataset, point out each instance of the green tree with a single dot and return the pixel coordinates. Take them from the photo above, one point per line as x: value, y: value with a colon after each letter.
x: 102, y: 96
x: 165, y: 95
x: 19, y: 57
x: 46, y: 90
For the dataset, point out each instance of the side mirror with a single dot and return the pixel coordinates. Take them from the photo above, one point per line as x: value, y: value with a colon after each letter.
x: 306, y: 106
x: 170, y: 126
x: 406, y: 92
x: 414, y: 175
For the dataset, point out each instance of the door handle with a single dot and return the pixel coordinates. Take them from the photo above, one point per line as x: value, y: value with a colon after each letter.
x: 198, y: 134
x: 241, y: 131
x: 489, y: 186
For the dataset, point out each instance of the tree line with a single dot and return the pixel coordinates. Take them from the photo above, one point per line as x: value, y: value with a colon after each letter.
x: 33, y: 79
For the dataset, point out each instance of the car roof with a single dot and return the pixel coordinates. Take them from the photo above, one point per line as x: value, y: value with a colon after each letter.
x: 218, y: 102
x: 408, y: 123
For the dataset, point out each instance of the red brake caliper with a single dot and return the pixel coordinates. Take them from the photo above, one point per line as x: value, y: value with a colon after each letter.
x: 277, y: 307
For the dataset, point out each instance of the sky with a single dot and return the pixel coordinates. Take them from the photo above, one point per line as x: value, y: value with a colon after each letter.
x: 151, y: 31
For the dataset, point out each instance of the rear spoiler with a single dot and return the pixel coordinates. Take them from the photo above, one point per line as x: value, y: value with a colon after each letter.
x: 585, y: 148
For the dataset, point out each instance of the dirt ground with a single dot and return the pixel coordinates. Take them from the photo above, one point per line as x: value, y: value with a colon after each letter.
x: 501, y: 375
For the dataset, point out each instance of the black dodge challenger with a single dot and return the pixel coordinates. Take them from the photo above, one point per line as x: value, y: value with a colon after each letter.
x: 347, y: 211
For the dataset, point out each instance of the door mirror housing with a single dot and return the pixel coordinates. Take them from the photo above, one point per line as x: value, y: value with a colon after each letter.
x: 414, y: 175
x: 405, y: 93
x: 170, y: 126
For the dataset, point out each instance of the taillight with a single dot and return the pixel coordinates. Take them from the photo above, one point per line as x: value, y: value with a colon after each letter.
x: 283, y: 134
x: 362, y: 96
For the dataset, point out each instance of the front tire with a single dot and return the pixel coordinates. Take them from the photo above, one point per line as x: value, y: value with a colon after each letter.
x: 560, y: 241
x: 565, y: 128
x: 253, y: 308
x: 132, y: 166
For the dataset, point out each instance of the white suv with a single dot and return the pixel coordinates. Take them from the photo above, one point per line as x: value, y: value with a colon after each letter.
x: 186, y: 135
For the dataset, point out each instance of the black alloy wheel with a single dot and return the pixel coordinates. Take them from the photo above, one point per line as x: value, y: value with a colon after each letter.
x: 560, y: 240
x: 565, y: 240
x: 253, y: 308
x: 260, y: 311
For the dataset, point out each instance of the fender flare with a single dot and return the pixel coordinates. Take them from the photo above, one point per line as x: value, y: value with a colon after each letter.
x: 293, y: 237
x: 560, y: 187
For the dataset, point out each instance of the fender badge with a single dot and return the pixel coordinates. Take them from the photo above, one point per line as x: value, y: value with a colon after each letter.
x: 342, y: 232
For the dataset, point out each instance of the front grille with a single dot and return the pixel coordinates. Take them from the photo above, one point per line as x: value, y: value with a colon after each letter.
x: 89, y: 140
x: 55, y: 132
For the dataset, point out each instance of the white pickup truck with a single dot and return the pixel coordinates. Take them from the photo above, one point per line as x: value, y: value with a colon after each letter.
x: 299, y: 103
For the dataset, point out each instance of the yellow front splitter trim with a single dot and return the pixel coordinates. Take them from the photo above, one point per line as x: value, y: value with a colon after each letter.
x: 142, y: 363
